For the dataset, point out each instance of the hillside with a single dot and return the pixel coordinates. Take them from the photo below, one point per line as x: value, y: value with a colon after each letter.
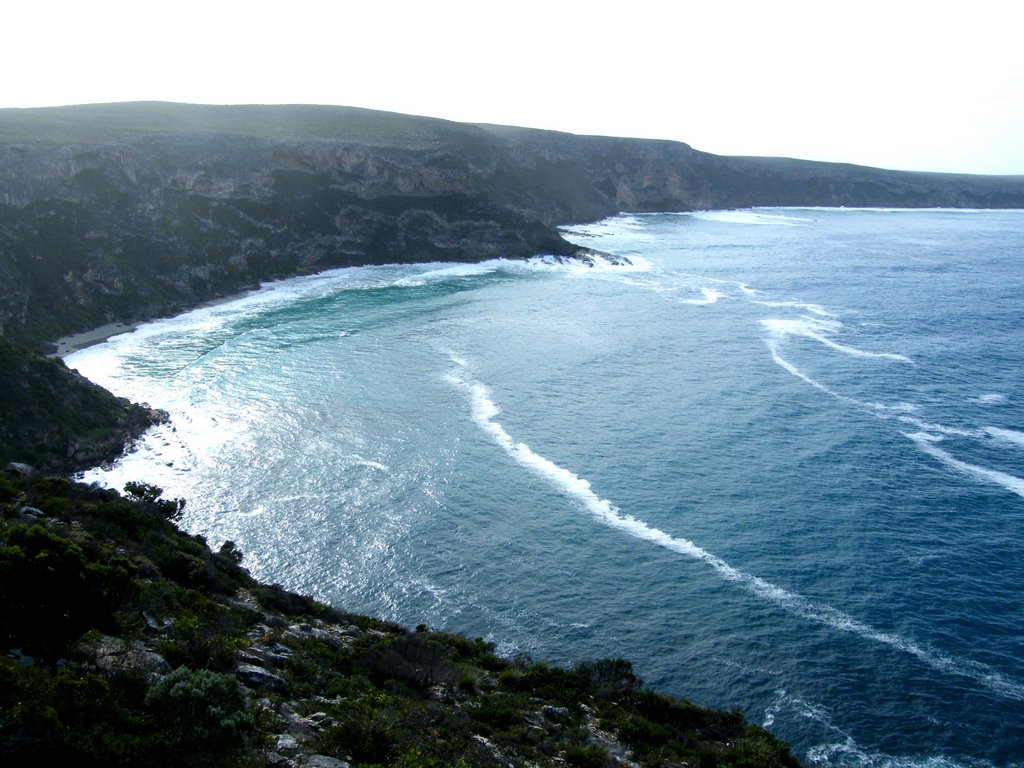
x: 59, y: 421
x: 126, y: 642
x: 131, y: 211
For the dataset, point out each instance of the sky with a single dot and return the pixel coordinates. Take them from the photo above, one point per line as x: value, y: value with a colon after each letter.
x: 936, y: 86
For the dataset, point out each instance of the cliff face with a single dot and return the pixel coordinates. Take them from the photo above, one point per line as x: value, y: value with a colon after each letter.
x: 90, y: 234
x: 132, y: 211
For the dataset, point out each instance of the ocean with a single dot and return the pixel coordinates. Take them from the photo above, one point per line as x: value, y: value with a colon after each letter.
x: 777, y: 460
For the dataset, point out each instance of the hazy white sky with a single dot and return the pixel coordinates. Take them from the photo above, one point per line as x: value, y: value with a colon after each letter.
x: 916, y: 85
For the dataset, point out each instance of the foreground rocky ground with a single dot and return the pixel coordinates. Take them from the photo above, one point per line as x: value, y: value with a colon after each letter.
x: 128, y: 642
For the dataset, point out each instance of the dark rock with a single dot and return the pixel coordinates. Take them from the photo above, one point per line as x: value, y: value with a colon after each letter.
x: 114, y: 654
x: 257, y: 677
x: 321, y: 761
x: 556, y: 714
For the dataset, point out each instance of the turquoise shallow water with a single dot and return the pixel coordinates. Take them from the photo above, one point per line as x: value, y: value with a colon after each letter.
x: 778, y: 462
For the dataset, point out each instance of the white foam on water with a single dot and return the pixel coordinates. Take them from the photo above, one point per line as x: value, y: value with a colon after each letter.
x: 927, y: 443
x: 816, y: 309
x: 940, y: 429
x: 710, y: 297
x: 461, y: 270
x: 747, y: 290
x: 409, y: 282
x: 937, y: 209
x: 929, y: 435
x: 773, y: 348
x: 485, y: 412
x: 370, y: 463
x: 991, y: 398
x: 882, y: 410
x: 749, y: 217
x: 849, y: 754
x: 1011, y: 436
x: 595, y: 263
x: 840, y: 749
x: 816, y: 328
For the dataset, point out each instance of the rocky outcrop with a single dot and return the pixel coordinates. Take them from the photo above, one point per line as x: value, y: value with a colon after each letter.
x: 131, y: 211
x: 56, y: 420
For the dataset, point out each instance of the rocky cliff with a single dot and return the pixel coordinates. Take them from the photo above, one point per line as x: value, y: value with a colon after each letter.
x: 130, y: 211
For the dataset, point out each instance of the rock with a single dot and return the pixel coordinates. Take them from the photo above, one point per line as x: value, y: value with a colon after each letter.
x: 331, y: 635
x: 156, y: 625
x: 557, y: 714
x: 321, y: 761
x: 287, y: 743
x: 25, y: 470
x: 114, y: 654
x: 248, y: 657
x: 256, y: 677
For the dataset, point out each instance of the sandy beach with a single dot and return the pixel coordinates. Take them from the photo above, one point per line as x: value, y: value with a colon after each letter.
x: 77, y: 341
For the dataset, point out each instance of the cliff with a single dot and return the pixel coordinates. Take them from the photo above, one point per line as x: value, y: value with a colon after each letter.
x: 131, y: 211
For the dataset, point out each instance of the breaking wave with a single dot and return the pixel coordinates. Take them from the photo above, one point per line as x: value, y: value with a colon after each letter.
x: 485, y: 412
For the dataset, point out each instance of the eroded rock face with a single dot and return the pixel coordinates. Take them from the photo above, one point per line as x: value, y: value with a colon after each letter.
x: 146, y: 228
x: 131, y: 211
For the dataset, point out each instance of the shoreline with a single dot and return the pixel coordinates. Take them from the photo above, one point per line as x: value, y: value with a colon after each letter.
x: 66, y: 345
x: 75, y: 342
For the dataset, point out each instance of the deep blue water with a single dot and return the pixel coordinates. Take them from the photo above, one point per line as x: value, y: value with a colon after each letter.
x: 778, y: 462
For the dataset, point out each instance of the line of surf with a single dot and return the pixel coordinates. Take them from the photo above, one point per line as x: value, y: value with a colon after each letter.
x: 485, y: 412
x: 928, y: 435
x: 816, y: 328
x: 926, y: 443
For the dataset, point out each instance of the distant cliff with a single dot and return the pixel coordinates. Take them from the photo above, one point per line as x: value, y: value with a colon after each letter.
x: 131, y: 211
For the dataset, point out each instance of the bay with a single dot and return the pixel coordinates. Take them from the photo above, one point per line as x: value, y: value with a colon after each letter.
x: 777, y: 461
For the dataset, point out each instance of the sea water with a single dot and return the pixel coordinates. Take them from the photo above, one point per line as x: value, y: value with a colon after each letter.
x: 777, y: 460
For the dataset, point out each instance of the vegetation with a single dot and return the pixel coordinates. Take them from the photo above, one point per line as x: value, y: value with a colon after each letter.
x: 134, y: 211
x: 57, y: 420
x: 127, y: 642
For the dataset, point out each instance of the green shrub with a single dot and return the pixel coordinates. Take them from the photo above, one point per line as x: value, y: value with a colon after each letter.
x: 172, y: 509
x: 586, y: 756
x: 203, y: 714
x: 50, y: 592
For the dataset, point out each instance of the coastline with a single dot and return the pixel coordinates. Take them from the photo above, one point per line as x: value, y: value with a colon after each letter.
x: 75, y: 342
x: 78, y: 341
